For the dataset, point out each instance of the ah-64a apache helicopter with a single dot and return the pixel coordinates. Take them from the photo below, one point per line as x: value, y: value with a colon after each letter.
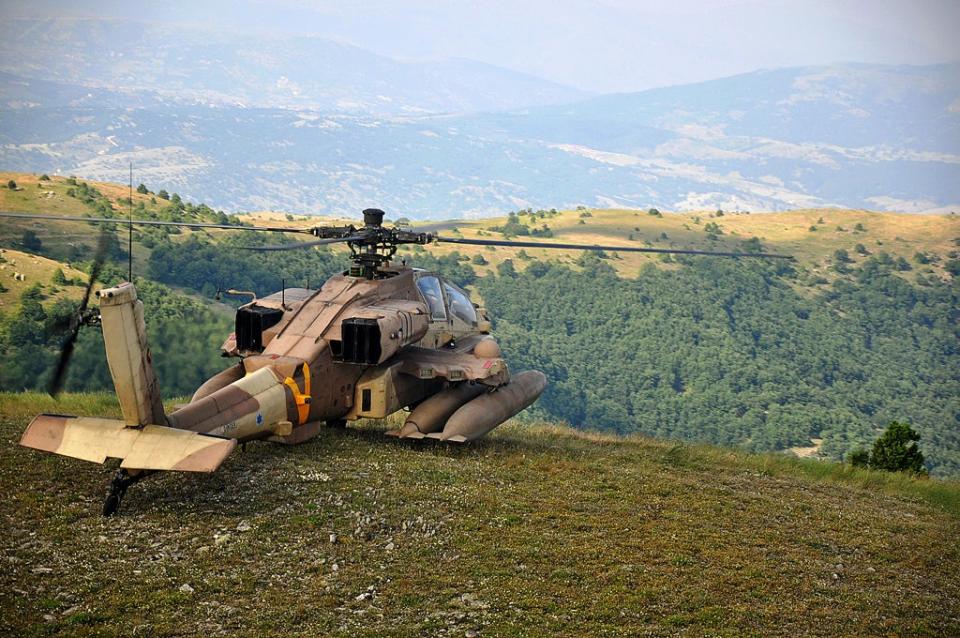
x: 369, y: 342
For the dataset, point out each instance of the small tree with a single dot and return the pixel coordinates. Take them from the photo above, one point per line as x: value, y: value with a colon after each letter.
x: 59, y: 278
x: 142, y: 189
x: 44, y: 178
x: 896, y: 450
x: 12, y: 185
x: 163, y: 194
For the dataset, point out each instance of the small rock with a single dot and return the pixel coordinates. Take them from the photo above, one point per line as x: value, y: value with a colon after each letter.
x: 390, y: 547
x: 871, y: 570
x: 186, y: 588
x: 72, y: 610
x: 835, y: 576
x: 220, y: 540
x: 471, y: 633
x: 42, y: 570
x: 49, y: 617
x: 244, y: 526
x: 333, y: 538
x: 365, y: 595
x: 335, y: 567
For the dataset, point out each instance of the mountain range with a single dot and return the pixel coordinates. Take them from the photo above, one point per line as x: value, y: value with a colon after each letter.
x: 312, y: 125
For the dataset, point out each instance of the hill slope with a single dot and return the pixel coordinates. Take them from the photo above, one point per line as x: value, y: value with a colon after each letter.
x: 536, y: 530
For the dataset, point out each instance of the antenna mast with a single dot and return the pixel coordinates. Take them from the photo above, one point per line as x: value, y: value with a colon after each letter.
x: 130, y: 230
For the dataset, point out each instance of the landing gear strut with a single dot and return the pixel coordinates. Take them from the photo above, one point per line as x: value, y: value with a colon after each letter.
x: 118, y: 487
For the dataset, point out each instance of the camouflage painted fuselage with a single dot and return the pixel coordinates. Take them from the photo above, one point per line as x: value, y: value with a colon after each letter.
x: 302, y: 375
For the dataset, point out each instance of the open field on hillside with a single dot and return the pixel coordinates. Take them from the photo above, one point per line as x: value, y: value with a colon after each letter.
x: 785, y: 233
x: 537, y: 530
x: 901, y: 235
x: 36, y: 269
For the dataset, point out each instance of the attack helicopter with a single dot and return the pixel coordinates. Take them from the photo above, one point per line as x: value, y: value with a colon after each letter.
x: 375, y: 339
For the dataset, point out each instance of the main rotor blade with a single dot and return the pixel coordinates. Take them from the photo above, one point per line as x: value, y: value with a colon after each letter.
x: 66, y: 350
x: 155, y: 222
x: 303, y: 244
x: 629, y: 249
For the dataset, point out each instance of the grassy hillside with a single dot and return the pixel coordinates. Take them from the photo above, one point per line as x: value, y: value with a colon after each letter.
x: 537, y: 530
x: 790, y: 233
x: 36, y: 269
x: 901, y: 235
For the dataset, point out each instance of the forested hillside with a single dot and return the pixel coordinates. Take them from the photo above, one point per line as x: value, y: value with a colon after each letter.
x: 819, y: 353
x: 730, y: 352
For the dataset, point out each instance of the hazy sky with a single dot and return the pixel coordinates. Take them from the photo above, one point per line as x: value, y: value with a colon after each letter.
x: 599, y: 45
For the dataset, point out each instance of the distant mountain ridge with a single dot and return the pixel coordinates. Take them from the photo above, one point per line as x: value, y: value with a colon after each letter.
x: 193, y: 66
x: 315, y: 126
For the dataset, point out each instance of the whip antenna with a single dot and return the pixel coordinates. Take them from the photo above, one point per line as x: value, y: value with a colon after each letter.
x: 130, y: 230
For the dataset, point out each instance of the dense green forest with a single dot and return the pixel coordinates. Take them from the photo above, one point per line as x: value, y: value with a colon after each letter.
x: 185, y: 336
x: 738, y: 352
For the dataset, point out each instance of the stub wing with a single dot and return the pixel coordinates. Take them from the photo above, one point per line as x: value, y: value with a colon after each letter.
x: 452, y: 365
x: 152, y: 447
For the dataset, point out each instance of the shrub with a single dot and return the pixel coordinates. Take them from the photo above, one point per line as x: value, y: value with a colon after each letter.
x: 859, y: 458
x: 12, y: 185
x: 897, y: 451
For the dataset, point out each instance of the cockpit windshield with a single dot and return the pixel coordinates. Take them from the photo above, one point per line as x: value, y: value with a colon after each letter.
x: 460, y: 305
x: 430, y: 289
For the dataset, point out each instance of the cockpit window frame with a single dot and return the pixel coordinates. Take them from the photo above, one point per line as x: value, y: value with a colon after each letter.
x: 449, y: 290
x: 426, y: 300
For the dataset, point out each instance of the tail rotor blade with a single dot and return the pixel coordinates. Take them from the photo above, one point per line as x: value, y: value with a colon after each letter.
x: 66, y: 350
x: 60, y: 373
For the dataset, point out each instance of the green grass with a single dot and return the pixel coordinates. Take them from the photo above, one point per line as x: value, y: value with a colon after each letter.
x: 536, y: 530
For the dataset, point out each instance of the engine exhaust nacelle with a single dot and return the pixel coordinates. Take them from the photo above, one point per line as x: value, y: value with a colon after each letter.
x: 487, y: 411
x: 432, y: 414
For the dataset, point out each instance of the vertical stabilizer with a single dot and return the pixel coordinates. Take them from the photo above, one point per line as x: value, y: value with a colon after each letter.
x: 128, y: 354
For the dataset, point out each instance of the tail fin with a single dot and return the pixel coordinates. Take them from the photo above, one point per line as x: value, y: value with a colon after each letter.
x: 128, y: 354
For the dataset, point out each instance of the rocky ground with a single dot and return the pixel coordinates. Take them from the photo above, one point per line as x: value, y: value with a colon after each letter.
x: 535, y: 531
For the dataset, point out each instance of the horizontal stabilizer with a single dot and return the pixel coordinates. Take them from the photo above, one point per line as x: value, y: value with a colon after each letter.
x: 152, y: 447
